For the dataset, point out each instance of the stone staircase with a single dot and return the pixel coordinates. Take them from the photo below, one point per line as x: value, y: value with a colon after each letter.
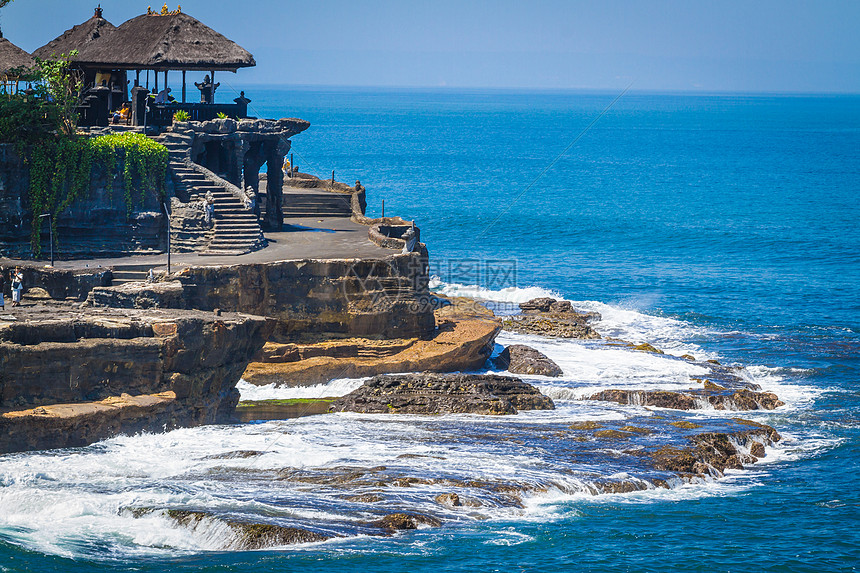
x: 299, y: 202
x: 122, y: 274
x: 236, y: 230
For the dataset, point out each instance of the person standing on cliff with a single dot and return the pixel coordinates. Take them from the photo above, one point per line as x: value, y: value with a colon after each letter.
x: 2, y: 290
x: 17, y: 286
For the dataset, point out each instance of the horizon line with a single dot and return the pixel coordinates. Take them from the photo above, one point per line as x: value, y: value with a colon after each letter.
x: 601, y: 90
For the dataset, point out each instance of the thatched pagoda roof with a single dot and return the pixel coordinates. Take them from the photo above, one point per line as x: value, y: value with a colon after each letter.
x: 77, y: 38
x: 11, y: 57
x: 169, y: 41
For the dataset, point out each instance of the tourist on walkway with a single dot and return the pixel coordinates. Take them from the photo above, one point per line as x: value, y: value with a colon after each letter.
x: 17, y: 286
x: 209, y: 207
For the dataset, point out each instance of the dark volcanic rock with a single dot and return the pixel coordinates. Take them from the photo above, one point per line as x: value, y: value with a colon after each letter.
x: 549, y: 317
x: 402, y: 521
x: 717, y: 397
x: 537, y: 304
x: 521, y: 359
x: 443, y: 394
x: 551, y: 305
x: 712, y: 453
x: 245, y: 536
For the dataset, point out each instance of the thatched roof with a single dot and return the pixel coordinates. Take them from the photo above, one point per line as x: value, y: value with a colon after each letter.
x: 77, y: 38
x: 11, y: 57
x: 173, y: 41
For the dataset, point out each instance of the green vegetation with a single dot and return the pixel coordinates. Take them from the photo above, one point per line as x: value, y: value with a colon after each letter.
x: 587, y: 425
x: 611, y: 434
x: 181, y: 115
x: 635, y: 430
x: 42, y: 124
x: 144, y: 162
x: 686, y: 425
x: 288, y: 402
x: 48, y: 111
x: 222, y: 115
x: 61, y: 169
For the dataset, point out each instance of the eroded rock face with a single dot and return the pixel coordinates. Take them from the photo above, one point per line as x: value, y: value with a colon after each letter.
x: 522, y: 359
x: 96, y: 224
x: 60, y: 284
x: 387, y: 298
x: 459, y: 343
x: 443, y: 394
x: 69, y: 378
x: 139, y: 295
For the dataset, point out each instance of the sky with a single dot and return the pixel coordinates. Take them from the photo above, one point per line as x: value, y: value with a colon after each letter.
x: 782, y: 46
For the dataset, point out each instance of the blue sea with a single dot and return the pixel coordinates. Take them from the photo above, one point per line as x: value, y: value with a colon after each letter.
x: 725, y: 226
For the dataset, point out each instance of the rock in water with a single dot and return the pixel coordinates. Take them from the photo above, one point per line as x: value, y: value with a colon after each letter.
x: 522, y: 359
x: 718, y: 398
x: 551, y: 305
x: 542, y: 304
x: 241, y: 536
x: 427, y: 393
x: 555, y: 325
x: 550, y: 317
x: 402, y: 521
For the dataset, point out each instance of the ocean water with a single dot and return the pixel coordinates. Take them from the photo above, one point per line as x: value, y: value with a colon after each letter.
x: 725, y: 226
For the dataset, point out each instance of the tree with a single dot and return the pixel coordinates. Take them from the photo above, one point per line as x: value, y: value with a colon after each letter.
x: 60, y: 85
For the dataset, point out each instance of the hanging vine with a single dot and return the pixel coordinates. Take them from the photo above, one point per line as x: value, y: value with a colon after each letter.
x: 61, y: 170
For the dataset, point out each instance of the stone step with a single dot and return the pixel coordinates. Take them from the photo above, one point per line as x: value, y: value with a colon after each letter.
x: 230, y: 246
x: 131, y: 268
x: 237, y: 237
x: 236, y: 214
x: 246, y: 227
x: 219, y: 253
x: 191, y: 176
x: 243, y: 240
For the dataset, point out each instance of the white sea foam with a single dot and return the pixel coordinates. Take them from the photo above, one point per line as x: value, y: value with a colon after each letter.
x: 626, y: 322
x: 71, y: 502
x: 510, y: 294
x: 338, y: 387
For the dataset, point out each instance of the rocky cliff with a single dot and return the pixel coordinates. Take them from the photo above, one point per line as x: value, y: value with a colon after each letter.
x: 384, y: 298
x: 68, y: 378
x: 93, y: 226
x: 463, y: 340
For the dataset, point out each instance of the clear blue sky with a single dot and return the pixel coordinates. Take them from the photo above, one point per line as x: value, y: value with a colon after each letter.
x: 695, y: 45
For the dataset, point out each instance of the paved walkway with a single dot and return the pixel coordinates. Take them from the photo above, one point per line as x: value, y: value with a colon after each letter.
x: 302, y: 238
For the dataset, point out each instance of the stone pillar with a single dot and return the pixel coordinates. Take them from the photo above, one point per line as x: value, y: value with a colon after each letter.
x: 235, y: 153
x: 138, y: 105
x: 274, y: 186
x: 251, y: 163
x: 102, y: 111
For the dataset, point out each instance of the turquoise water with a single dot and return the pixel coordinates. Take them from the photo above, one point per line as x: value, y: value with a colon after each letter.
x: 724, y: 225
